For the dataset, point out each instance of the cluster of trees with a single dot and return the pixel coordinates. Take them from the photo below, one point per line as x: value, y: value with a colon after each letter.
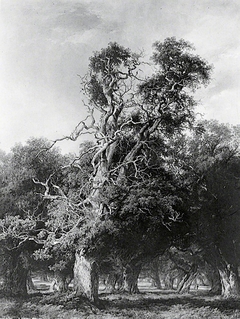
x: 154, y: 181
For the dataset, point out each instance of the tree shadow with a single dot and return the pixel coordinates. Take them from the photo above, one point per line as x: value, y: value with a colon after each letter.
x: 165, y: 300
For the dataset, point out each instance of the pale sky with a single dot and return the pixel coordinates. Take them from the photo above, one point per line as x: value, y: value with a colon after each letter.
x: 45, y: 44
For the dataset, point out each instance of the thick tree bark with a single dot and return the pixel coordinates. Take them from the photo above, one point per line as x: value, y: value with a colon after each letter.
x: 15, y: 276
x: 86, y: 277
x: 229, y: 280
x: 131, y: 274
x: 227, y: 268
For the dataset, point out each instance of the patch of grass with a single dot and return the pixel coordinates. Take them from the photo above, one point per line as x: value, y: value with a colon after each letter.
x: 5, y: 306
x: 188, y: 312
x: 121, y: 306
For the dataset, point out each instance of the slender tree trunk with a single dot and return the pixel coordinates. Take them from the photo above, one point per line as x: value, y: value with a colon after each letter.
x: 155, y: 274
x: 179, y: 279
x: 114, y: 282
x: 111, y: 282
x: 131, y: 274
x: 168, y: 282
x: 186, y: 284
x: 187, y: 280
x: 61, y: 282
x: 195, y: 283
x: 86, y: 277
x: 120, y: 282
x: 30, y: 284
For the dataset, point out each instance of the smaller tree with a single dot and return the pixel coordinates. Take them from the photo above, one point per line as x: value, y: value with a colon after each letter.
x: 19, y: 238
x: 22, y: 224
x: 209, y: 162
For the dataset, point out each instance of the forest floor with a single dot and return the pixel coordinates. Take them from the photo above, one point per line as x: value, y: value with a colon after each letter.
x: 147, y: 305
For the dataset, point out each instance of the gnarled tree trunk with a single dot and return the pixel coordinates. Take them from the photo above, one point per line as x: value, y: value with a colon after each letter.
x: 187, y: 280
x: 229, y: 280
x: 86, y: 276
x: 15, y: 275
x: 226, y: 266
x: 185, y: 286
x: 131, y: 274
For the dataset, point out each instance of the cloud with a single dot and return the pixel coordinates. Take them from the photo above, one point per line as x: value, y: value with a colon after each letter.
x: 223, y: 107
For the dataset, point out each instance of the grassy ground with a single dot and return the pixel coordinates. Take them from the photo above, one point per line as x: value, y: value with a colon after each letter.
x: 149, y: 305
